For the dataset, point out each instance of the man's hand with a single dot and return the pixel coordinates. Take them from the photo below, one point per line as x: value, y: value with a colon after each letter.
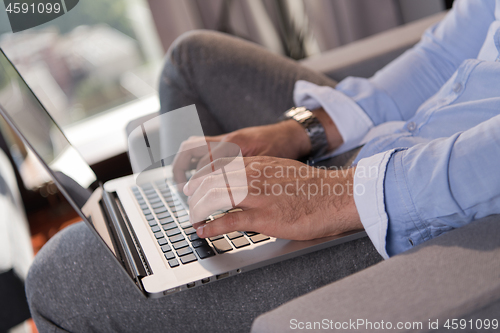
x: 286, y: 199
x: 286, y: 139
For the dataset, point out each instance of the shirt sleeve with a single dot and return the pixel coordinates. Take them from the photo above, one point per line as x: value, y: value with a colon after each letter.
x: 396, y: 92
x: 351, y: 121
x: 421, y: 192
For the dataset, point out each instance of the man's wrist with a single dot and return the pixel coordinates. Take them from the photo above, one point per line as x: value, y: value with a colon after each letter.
x: 299, y: 137
x: 332, y: 133
x: 351, y: 211
x: 313, y: 128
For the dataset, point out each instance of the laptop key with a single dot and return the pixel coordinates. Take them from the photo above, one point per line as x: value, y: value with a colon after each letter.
x: 173, y: 232
x: 188, y: 258
x: 146, y: 211
x: 155, y: 228
x: 149, y: 217
x: 199, y: 242
x: 154, y: 200
x: 185, y: 225
x: 162, y: 241
x: 234, y: 234
x: 173, y: 263
x: 193, y: 237
x: 251, y: 233
x: 165, y: 248
x: 180, y: 245
x: 222, y: 245
x: 189, y: 231
x: 159, y: 235
x: 240, y: 242
x: 157, y: 205
x: 205, y: 252
x: 181, y: 213
x: 152, y: 223
x: 216, y: 238
x: 169, y: 255
x: 176, y: 238
x: 258, y: 238
x: 163, y: 215
x: 168, y: 226
x: 162, y: 209
x: 166, y: 220
x: 144, y: 206
x: 184, y: 251
x: 183, y: 219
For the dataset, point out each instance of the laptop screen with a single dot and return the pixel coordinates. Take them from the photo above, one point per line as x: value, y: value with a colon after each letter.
x: 44, y: 136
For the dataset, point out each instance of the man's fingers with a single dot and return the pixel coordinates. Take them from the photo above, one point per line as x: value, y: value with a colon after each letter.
x: 238, y: 221
x: 218, y: 167
x: 194, y: 147
x: 215, y: 200
x: 199, y: 186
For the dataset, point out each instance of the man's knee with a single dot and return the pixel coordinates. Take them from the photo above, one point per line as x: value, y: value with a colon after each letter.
x: 196, y: 40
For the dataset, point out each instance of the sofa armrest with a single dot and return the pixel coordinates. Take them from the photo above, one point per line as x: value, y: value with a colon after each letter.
x: 452, y: 276
x: 364, y: 57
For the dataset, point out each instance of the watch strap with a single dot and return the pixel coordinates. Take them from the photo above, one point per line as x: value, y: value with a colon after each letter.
x: 313, y: 128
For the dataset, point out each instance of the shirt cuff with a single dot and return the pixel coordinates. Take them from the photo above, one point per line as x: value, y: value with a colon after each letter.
x: 350, y: 119
x: 369, y: 198
x: 405, y: 228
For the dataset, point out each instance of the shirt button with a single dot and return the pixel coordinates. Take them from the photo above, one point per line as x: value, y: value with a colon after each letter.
x: 457, y: 87
x: 411, y: 126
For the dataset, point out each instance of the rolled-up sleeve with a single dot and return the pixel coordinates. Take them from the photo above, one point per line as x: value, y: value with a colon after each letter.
x: 415, y: 194
x: 351, y: 121
x: 396, y: 92
x: 369, y: 198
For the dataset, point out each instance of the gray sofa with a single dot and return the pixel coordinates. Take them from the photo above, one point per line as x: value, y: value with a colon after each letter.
x: 454, y: 276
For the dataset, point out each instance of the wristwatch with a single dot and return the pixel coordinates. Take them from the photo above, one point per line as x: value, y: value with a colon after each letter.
x: 313, y: 127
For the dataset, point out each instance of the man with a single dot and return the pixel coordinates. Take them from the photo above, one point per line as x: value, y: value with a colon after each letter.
x: 427, y: 124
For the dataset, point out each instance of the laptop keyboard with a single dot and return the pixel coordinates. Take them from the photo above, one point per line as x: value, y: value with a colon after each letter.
x: 169, y: 222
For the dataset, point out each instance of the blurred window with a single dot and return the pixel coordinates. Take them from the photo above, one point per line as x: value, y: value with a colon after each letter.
x: 98, y: 56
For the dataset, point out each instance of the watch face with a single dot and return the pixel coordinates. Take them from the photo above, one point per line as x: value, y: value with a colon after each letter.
x: 302, y: 116
x: 295, y: 112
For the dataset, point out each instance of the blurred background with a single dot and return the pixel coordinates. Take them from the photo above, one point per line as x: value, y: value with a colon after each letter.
x: 106, y: 53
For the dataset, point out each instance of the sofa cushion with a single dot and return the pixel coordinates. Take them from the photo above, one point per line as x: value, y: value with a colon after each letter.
x: 453, y: 276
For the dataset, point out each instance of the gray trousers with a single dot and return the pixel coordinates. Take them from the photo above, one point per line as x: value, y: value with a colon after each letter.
x: 74, y: 285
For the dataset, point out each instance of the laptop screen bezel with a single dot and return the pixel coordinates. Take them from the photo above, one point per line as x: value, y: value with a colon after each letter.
x: 95, y: 185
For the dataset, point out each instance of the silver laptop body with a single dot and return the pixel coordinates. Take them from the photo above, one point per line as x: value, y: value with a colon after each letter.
x: 127, y: 216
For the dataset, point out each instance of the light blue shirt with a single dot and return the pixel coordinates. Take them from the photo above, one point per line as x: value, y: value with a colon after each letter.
x: 430, y: 122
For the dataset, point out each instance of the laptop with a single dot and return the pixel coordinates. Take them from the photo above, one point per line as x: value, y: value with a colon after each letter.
x: 142, y: 221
